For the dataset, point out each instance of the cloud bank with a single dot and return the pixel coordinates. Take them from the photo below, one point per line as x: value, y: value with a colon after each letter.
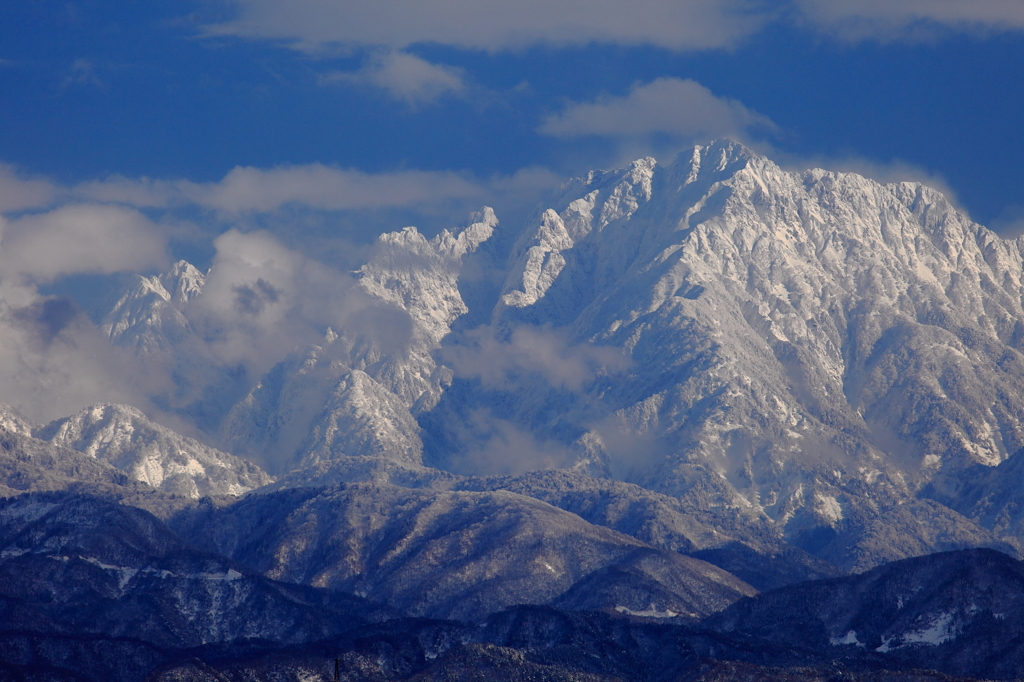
x: 81, y: 239
x: 910, y: 19
x: 246, y: 189
x: 492, y: 25
x: 17, y: 193
x: 671, y: 106
x: 53, y: 360
x: 530, y: 352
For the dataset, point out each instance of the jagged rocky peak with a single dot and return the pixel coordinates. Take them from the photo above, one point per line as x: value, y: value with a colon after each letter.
x: 148, y: 315
x: 420, y: 277
x: 536, y: 258
x: 312, y: 408
x: 124, y: 437
x: 811, y: 346
x: 351, y: 396
x: 11, y: 421
x: 362, y: 419
x: 183, y: 282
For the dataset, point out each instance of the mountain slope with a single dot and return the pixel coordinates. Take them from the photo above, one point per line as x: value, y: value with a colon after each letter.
x: 437, y: 553
x: 28, y: 464
x: 960, y: 612
x: 149, y: 315
x: 352, y: 395
x: 808, y: 358
x: 73, y: 564
x: 812, y: 347
x: 122, y: 436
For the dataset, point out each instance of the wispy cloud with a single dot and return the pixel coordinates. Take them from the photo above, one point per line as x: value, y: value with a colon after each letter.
x: 672, y: 106
x: 911, y: 19
x: 404, y: 76
x: 315, y: 186
x: 262, y: 300
x: 323, y: 187
x: 491, y: 445
x: 83, y: 73
x: 530, y: 352
x: 53, y: 360
x: 315, y: 25
x: 493, y: 25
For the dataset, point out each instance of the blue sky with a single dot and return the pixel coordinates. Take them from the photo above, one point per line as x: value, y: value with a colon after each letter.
x: 382, y: 114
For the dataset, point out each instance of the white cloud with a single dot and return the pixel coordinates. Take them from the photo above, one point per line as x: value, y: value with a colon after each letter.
x: 141, y: 193
x: 246, y: 189
x: 292, y: 200
x: 1010, y: 222
x: 530, y: 352
x: 262, y: 300
x: 681, y: 108
x: 17, y: 194
x: 325, y: 188
x: 405, y: 76
x: 83, y: 73
x: 80, y: 239
x: 54, y: 361
x: 911, y: 19
x: 494, y: 25
x: 493, y: 446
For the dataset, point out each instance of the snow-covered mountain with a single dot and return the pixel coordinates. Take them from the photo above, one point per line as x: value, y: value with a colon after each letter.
x: 149, y: 316
x: 353, y: 396
x: 812, y: 347
x: 313, y: 408
x: 124, y: 437
x: 788, y: 375
x: 811, y: 354
x: 453, y: 554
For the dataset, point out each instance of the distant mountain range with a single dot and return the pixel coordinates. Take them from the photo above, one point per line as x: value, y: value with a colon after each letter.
x: 674, y: 387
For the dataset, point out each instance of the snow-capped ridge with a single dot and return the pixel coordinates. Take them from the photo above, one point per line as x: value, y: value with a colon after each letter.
x: 788, y: 334
x: 349, y: 397
x: 148, y: 316
x: 124, y: 437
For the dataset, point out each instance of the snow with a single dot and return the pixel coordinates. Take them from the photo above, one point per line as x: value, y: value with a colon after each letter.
x: 650, y: 612
x: 941, y: 629
x: 124, y: 437
x: 849, y: 638
x: 794, y: 337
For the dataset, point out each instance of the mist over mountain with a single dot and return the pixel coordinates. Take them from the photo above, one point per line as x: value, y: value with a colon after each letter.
x: 674, y: 386
x: 827, y: 360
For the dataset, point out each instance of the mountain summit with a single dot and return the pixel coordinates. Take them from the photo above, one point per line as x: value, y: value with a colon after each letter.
x: 815, y: 348
x: 824, y: 360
